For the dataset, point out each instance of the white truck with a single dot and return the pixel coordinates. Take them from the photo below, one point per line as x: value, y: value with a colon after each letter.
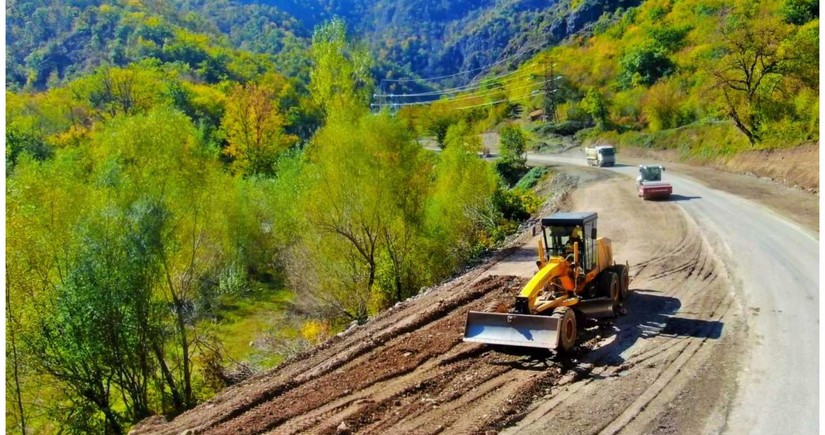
x: 601, y: 155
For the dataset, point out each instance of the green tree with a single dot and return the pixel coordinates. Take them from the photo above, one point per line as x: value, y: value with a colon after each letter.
x: 596, y: 105
x: 800, y: 11
x: 459, y: 209
x: 354, y: 218
x: 513, y: 143
x: 340, y: 78
x: 95, y: 335
x: 752, y: 72
x: 14, y: 365
x: 120, y: 91
x: 644, y: 64
x: 437, y: 122
x: 512, y: 163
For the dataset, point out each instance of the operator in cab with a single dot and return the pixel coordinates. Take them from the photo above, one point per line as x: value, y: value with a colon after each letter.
x: 575, y: 237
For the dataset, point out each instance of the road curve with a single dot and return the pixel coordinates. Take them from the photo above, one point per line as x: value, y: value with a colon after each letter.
x: 775, y: 264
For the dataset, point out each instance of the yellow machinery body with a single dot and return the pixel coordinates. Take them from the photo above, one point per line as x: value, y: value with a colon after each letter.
x: 564, y: 287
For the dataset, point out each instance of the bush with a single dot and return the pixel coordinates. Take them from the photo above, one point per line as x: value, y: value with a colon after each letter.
x: 510, y: 170
x: 664, y: 107
x: 515, y: 204
x: 563, y: 128
x: 513, y: 142
x: 531, y: 178
x: 800, y: 11
x: 644, y: 64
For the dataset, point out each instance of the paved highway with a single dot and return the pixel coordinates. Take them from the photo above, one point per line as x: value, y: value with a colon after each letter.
x: 775, y: 264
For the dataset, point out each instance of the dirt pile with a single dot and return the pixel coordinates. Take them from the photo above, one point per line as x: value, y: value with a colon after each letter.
x: 408, y: 370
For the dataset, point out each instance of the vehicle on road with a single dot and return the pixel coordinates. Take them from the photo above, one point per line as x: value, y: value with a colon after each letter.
x: 649, y: 183
x: 577, y: 279
x: 602, y: 155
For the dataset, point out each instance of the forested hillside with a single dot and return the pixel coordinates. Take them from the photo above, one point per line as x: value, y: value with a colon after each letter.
x: 435, y: 38
x: 51, y: 41
x: 706, y: 78
x: 198, y: 189
x: 155, y: 208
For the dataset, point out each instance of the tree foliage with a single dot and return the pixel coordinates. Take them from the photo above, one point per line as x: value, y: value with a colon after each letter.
x: 800, y: 11
x: 752, y: 73
x: 512, y: 163
x: 255, y: 128
x: 646, y: 63
x: 595, y: 104
x: 340, y: 79
x: 112, y: 260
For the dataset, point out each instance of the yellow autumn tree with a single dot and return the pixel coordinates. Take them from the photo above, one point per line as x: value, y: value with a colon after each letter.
x: 254, y: 128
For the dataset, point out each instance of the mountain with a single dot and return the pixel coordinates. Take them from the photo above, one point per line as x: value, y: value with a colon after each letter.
x: 432, y: 38
x: 49, y: 42
x: 53, y: 41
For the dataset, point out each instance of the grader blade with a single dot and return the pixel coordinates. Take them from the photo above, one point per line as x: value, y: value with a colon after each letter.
x: 512, y: 329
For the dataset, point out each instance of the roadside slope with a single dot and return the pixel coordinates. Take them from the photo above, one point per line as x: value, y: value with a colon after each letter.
x: 408, y: 370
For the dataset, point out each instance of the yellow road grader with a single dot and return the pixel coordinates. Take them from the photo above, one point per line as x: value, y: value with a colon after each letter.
x: 577, y: 279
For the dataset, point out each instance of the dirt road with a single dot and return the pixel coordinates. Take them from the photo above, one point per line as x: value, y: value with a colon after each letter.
x: 773, y: 263
x: 668, y: 366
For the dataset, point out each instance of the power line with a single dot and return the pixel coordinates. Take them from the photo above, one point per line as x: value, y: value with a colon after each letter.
x: 532, y: 94
x: 522, y: 73
x: 429, y: 79
x: 481, y: 94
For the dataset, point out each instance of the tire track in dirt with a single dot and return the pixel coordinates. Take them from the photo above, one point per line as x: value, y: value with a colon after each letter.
x: 436, y: 332
x: 407, y: 370
x: 681, y: 298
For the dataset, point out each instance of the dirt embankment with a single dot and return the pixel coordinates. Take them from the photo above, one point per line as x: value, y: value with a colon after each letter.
x: 794, y: 167
x: 666, y: 366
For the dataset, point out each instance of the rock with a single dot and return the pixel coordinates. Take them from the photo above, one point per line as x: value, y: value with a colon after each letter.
x: 342, y: 428
x: 147, y: 424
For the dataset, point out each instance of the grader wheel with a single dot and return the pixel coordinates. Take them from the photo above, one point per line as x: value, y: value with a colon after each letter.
x: 624, y: 279
x: 567, y: 328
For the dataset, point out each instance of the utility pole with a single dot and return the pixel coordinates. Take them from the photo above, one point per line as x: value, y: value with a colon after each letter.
x: 550, y: 90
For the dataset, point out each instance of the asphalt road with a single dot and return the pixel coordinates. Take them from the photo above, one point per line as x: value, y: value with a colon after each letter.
x: 775, y: 264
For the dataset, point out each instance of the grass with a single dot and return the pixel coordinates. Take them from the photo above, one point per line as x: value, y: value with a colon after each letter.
x: 245, y: 319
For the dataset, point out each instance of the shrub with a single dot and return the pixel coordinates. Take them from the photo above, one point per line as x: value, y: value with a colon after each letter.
x: 664, y: 109
x: 531, y: 178
x: 563, y: 128
x: 644, y: 64
x: 800, y: 11
x: 515, y: 204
